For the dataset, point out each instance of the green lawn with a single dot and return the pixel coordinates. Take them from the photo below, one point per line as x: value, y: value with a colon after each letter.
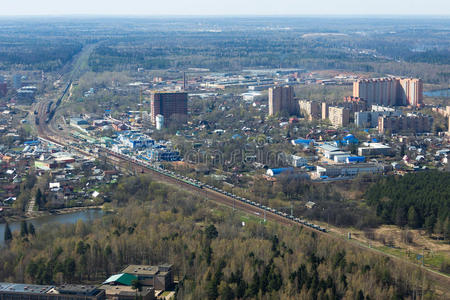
x: 432, y: 260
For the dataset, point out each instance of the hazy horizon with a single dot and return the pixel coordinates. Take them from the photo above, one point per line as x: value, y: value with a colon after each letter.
x: 249, y: 8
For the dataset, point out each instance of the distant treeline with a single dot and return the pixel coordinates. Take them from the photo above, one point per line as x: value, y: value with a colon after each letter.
x: 38, y: 54
x: 233, y: 51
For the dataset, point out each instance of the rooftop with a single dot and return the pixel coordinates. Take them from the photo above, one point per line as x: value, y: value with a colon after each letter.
x: 141, y: 269
x: 24, y: 288
x: 123, y: 278
x: 329, y: 148
x: 125, y: 290
x: 75, y: 289
x: 376, y: 145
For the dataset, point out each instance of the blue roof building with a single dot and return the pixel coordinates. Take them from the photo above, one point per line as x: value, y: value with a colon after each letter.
x: 275, y: 172
x: 356, y: 159
x: 302, y: 142
x: 136, y: 141
x: 32, y: 143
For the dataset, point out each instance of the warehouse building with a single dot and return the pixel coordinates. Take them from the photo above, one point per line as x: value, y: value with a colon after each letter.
x: 348, y: 170
x: 47, y: 292
x: 370, y: 149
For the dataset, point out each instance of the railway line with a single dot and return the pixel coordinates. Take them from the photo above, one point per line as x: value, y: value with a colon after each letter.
x: 214, y: 193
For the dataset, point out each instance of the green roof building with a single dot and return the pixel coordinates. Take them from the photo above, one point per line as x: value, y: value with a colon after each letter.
x: 123, y: 279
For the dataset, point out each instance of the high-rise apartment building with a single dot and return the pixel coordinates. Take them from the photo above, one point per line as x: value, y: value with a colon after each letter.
x: 310, y: 109
x: 409, y: 123
x: 448, y: 132
x: 170, y: 105
x: 339, y: 116
x: 390, y: 91
x: 281, y: 100
x: 354, y: 104
x: 325, y: 108
x: 410, y: 92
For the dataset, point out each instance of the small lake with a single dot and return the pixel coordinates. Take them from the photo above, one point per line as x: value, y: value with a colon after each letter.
x: 438, y: 93
x: 70, y: 218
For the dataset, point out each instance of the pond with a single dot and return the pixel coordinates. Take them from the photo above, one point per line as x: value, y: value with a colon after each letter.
x: 70, y: 218
x: 438, y: 93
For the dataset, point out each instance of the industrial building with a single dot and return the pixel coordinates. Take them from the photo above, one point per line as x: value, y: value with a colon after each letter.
x: 348, y: 170
x: 170, y: 105
x: 48, y: 292
x: 390, y: 91
x: 370, y: 149
x: 159, y: 277
x: 327, y: 149
x: 153, y: 279
x: 298, y: 161
x: 281, y: 100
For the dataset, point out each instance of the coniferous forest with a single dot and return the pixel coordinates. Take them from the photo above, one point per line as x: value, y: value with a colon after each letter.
x: 419, y: 200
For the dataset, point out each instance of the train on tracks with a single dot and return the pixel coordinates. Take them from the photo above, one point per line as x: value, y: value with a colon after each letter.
x: 144, y: 162
x: 51, y: 112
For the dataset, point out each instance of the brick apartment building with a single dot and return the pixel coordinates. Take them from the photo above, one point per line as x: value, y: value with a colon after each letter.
x: 390, y: 91
x: 170, y: 105
x: 310, y: 109
x: 411, y: 123
x: 281, y: 100
x: 338, y: 116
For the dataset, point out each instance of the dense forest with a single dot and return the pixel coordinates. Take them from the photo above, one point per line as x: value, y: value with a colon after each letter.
x: 233, y: 51
x: 407, y: 47
x: 215, y: 254
x: 35, y: 53
x: 419, y: 200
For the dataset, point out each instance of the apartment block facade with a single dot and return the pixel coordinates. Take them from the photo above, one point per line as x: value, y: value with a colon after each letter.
x: 310, y: 109
x: 338, y: 116
x: 390, y: 91
x: 281, y: 100
x: 411, y: 123
x: 169, y: 105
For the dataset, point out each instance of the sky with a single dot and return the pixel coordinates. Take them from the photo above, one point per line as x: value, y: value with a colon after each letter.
x: 225, y: 7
